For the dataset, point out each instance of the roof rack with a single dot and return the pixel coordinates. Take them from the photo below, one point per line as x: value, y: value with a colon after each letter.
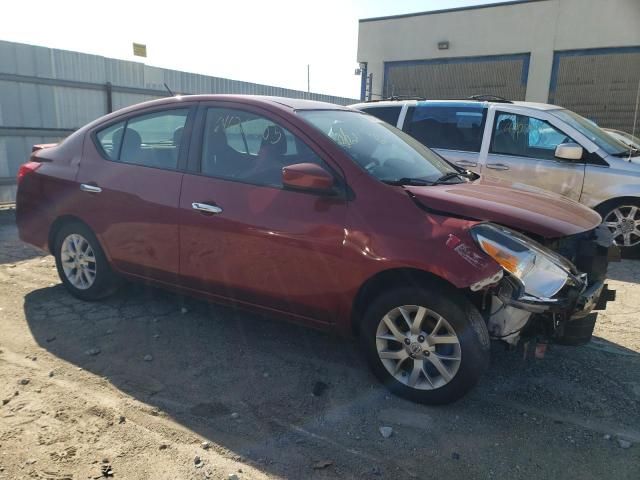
x: 489, y: 98
x: 397, y: 98
x: 406, y: 97
x: 478, y: 98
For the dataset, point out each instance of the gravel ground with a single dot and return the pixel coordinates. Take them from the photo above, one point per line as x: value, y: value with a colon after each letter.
x: 133, y: 386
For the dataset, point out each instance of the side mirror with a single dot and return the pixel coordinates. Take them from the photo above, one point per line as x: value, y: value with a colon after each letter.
x: 569, y: 151
x: 308, y: 177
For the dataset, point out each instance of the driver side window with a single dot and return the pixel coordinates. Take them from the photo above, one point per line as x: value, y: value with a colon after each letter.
x: 245, y: 147
x: 524, y: 136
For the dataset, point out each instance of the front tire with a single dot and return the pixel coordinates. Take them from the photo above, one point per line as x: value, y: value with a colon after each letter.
x: 622, y: 218
x: 429, y: 345
x: 82, y: 264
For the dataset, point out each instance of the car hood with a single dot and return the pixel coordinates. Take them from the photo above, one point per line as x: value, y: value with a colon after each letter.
x: 520, y: 207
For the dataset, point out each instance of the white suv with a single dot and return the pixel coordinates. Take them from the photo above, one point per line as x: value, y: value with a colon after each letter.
x: 530, y: 143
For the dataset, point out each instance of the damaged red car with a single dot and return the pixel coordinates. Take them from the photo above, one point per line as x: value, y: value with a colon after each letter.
x: 326, y: 216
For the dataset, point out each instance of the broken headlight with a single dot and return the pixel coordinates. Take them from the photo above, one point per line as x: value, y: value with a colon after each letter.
x: 541, y: 271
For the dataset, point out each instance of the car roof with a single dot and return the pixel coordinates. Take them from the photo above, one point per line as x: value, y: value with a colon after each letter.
x: 538, y: 105
x: 280, y: 102
x: 465, y: 103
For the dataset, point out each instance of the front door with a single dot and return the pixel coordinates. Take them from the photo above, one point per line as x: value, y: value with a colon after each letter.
x: 130, y: 178
x: 243, y: 235
x: 522, y: 151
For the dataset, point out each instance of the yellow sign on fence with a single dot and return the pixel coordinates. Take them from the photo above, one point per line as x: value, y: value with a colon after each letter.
x: 139, y: 50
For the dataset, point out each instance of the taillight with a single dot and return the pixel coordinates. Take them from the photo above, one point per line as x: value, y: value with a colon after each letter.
x: 27, y: 168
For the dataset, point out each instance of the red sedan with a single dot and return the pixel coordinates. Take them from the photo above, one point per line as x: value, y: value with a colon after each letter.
x: 322, y: 214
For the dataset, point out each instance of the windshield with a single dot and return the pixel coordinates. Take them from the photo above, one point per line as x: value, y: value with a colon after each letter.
x: 381, y: 149
x: 594, y: 133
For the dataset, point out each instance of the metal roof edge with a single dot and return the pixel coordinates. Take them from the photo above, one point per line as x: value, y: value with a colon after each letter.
x: 450, y: 10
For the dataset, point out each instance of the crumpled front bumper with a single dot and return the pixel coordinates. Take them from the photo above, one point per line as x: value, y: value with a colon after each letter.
x: 574, y: 302
x: 591, y: 253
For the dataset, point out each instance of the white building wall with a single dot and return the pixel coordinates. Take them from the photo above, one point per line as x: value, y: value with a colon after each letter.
x: 539, y: 26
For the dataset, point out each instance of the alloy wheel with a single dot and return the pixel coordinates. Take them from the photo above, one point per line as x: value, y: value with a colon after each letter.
x: 624, y: 223
x: 418, y: 347
x: 78, y: 261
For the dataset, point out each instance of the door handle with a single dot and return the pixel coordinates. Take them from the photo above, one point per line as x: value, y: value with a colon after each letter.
x: 85, y: 187
x: 206, y: 208
x: 497, y: 166
x: 466, y: 163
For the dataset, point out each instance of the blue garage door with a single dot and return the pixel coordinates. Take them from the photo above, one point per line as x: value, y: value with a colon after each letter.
x: 600, y: 84
x: 454, y: 78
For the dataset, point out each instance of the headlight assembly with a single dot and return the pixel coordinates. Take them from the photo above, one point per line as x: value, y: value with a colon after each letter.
x: 542, y: 272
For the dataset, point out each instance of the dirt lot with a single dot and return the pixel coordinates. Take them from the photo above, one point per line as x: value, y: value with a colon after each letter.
x: 134, y: 386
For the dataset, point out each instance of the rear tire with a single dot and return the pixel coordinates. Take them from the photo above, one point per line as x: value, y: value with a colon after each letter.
x: 82, y: 264
x: 429, y: 345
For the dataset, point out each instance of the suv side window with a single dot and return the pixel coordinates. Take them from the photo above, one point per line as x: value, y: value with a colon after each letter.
x: 386, y: 114
x: 242, y: 146
x: 525, y: 136
x: 448, y: 127
x: 151, y: 140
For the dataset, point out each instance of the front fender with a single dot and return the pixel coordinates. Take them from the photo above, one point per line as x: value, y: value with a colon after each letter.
x: 447, y: 251
x: 606, y: 183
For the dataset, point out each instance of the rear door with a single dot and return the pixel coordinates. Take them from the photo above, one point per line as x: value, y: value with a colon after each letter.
x: 130, y: 176
x: 521, y: 149
x: 243, y: 235
x: 453, y: 130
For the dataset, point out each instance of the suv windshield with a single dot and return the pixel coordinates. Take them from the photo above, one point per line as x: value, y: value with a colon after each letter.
x: 594, y: 133
x: 381, y: 149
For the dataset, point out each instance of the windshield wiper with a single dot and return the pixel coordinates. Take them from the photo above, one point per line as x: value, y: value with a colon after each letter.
x: 419, y: 182
x: 451, y: 175
x: 632, y: 152
x: 416, y: 182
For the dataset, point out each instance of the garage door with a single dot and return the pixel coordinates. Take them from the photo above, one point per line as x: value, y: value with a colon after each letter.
x: 600, y: 84
x: 453, y: 78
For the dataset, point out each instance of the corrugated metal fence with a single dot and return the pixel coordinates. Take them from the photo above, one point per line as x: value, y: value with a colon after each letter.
x: 45, y: 94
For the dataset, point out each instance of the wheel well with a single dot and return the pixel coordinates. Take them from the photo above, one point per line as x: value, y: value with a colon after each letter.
x: 389, y: 279
x: 615, y: 201
x: 57, y: 225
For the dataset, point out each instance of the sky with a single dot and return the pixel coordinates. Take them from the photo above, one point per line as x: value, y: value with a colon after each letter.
x: 269, y: 42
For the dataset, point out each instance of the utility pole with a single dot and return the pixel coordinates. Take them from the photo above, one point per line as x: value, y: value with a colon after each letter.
x: 308, y: 83
x: 635, y: 113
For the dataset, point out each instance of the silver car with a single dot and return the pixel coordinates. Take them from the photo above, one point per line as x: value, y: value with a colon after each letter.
x: 532, y: 144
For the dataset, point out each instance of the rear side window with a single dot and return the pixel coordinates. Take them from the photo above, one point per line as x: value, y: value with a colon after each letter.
x: 386, y: 114
x: 151, y: 140
x: 109, y: 141
x: 448, y: 127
